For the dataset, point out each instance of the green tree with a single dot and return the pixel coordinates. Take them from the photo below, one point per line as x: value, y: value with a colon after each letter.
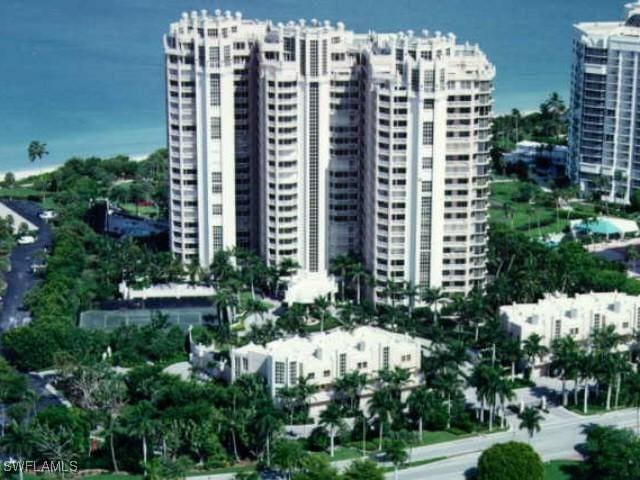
x: 611, y: 454
x: 331, y: 419
x: 288, y: 456
x: 314, y: 467
x: 341, y: 266
x: 510, y: 461
x: 359, y: 275
x: 633, y: 388
x: 320, y: 309
x: 19, y: 441
x: 530, y: 420
x: 36, y: 151
x: 348, y: 389
x: 421, y: 405
x: 363, y: 470
x: 382, y: 406
x: 9, y: 180
x: 395, y: 451
x: 566, y: 355
x: 138, y: 420
x: 533, y: 349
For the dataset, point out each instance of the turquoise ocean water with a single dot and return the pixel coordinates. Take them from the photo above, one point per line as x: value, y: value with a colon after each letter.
x: 86, y: 76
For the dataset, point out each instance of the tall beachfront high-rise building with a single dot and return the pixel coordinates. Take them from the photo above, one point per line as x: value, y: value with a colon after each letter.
x: 305, y: 140
x: 604, y: 136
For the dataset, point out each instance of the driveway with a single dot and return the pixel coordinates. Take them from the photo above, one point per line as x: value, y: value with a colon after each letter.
x: 20, y: 279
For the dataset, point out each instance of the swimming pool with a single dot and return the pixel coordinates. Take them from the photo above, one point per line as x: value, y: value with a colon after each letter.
x: 599, y: 226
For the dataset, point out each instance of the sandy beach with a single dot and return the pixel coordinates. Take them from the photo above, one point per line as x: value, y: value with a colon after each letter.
x: 30, y: 172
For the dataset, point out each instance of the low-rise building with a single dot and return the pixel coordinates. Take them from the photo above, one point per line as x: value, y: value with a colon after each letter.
x: 322, y: 358
x: 558, y: 315
x: 528, y: 152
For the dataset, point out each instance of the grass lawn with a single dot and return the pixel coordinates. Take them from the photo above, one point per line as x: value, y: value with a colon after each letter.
x: 593, y: 409
x: 142, y: 210
x: 559, y: 469
x: 105, y: 476
x: 341, y: 453
x: 526, y: 216
x: 217, y: 471
x: 19, y: 192
x: 417, y: 463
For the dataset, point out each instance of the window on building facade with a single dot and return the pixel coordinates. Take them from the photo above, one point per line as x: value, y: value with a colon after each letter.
x: 214, y: 57
x: 216, y: 182
x: 293, y: 373
x: 215, y: 128
x: 217, y: 234
x: 558, y: 329
x: 342, y: 368
x: 245, y: 364
x: 596, y: 321
x: 214, y: 90
x: 326, y: 373
x: 427, y: 133
x: 385, y: 357
x: 237, y: 367
x: 279, y: 373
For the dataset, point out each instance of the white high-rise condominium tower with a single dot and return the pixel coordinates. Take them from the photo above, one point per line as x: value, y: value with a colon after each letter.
x: 604, y: 137
x: 304, y: 140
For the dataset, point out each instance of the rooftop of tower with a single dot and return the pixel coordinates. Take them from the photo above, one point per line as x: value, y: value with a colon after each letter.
x: 627, y: 27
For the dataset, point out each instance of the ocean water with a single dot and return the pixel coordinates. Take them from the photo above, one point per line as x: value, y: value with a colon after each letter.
x: 86, y: 76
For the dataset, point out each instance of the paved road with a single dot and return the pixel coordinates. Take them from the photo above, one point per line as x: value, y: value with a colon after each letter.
x: 561, y: 433
x: 20, y: 279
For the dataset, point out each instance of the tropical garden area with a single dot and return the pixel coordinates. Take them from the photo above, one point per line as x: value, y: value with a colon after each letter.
x: 127, y: 414
x: 543, y: 207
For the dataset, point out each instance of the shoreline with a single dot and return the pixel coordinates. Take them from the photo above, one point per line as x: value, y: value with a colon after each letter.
x: 35, y: 171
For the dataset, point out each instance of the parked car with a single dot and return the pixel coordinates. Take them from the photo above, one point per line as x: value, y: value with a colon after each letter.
x: 26, y: 240
x: 48, y: 215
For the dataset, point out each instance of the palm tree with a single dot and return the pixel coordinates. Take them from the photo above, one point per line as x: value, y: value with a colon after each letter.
x: 419, y: 404
x: 331, y: 419
x: 303, y: 390
x: 288, y: 455
x: 505, y: 393
x: 633, y: 255
x: 566, y: 354
x: 530, y: 419
x: 411, y: 292
x: 225, y: 301
x: 393, y: 291
x: 633, y: 389
x: 20, y: 442
x: 139, y: 422
x: 349, y: 388
x: 396, y: 452
x: 320, y: 306
x: 359, y: 275
x: 486, y: 379
x: 286, y: 269
x: 604, y: 342
x: 587, y: 364
x: 341, y: 266
x: 268, y: 423
x: 254, y: 306
x: 432, y: 297
x: 36, y: 151
x: 533, y: 349
x: 382, y: 405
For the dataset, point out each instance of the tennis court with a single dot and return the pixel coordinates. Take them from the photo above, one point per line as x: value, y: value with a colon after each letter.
x: 112, y: 319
